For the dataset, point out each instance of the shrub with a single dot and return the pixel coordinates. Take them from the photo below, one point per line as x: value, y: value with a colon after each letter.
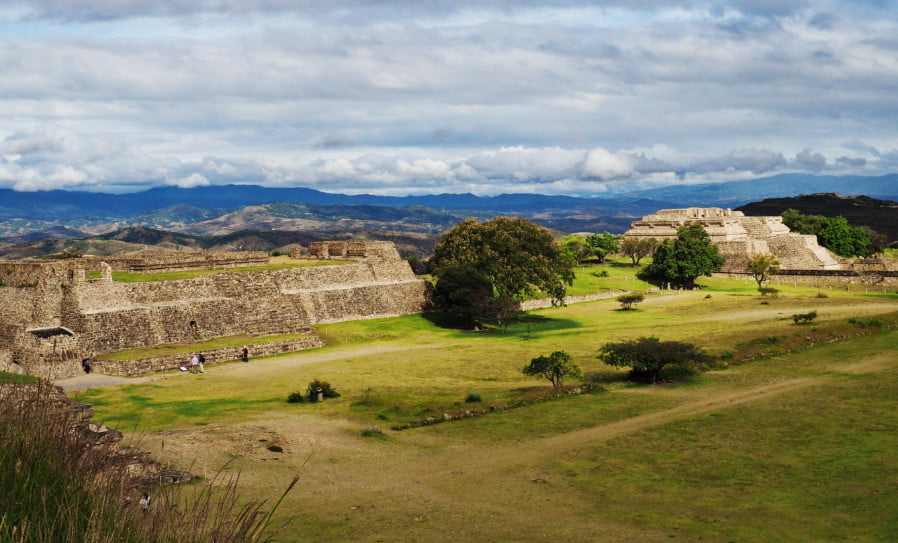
x: 804, y: 318
x: 864, y: 323
x: 647, y: 356
x: 296, y: 397
x: 374, y: 431
x: 473, y: 397
x: 603, y: 273
x: 627, y: 301
x: 275, y: 253
x: 321, y: 386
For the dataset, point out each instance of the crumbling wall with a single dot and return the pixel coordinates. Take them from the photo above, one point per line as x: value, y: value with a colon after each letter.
x: 107, y: 316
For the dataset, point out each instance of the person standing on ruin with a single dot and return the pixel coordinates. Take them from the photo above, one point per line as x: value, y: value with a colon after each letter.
x: 245, y: 354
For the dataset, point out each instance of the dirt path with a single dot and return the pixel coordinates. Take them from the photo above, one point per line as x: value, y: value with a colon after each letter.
x: 95, y: 380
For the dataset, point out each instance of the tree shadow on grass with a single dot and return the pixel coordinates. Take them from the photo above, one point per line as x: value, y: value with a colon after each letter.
x: 523, y: 325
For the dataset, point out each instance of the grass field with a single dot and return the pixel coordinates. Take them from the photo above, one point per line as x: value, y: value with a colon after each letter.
x: 795, y: 445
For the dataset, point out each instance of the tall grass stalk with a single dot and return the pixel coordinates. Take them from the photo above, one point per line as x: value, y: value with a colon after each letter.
x: 62, y: 483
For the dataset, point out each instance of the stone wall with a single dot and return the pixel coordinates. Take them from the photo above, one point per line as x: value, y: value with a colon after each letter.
x: 213, y: 356
x: 185, y: 260
x: 108, y: 316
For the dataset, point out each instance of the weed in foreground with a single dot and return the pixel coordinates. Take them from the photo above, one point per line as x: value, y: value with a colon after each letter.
x: 63, y: 483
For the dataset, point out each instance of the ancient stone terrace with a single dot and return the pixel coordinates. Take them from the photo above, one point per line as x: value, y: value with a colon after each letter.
x: 53, y: 314
x: 739, y: 237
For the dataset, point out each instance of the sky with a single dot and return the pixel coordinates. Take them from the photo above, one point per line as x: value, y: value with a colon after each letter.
x: 443, y: 96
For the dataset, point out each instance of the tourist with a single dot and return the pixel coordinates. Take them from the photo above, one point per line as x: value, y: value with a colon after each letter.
x: 194, y: 364
x: 245, y: 353
x: 85, y: 365
x: 145, y: 502
x: 202, y: 362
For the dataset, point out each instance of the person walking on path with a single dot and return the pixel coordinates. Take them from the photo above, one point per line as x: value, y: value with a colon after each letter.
x: 245, y: 353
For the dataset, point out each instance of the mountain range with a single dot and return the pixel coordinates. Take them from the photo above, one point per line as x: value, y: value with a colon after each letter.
x: 254, y: 217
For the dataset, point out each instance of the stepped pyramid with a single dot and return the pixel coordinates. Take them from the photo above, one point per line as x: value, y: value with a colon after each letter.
x: 739, y: 237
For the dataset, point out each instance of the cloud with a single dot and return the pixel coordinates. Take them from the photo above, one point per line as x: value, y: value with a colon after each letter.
x: 488, y: 97
x: 601, y: 164
x: 193, y: 180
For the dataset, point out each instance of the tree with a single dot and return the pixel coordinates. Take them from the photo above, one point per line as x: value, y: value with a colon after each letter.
x: 638, y: 248
x: 762, y: 266
x: 627, y: 301
x: 682, y: 261
x: 576, y: 247
x: 803, y: 224
x: 834, y: 233
x: 603, y: 244
x: 514, y: 256
x: 647, y: 356
x: 463, y: 291
x: 844, y: 240
x: 554, y: 367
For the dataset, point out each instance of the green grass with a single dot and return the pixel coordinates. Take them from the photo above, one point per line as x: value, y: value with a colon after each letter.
x: 131, y: 277
x: 814, y: 463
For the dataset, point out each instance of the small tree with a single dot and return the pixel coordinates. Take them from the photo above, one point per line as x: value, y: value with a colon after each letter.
x: 647, y: 356
x: 627, y: 301
x: 762, y: 266
x: 554, y: 367
x: 576, y: 247
x: 638, y: 248
x: 603, y: 244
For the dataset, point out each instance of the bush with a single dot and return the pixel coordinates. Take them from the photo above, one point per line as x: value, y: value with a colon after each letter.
x: 374, y: 431
x: 324, y: 387
x: 296, y: 397
x: 627, y: 301
x: 647, y: 356
x: 603, y: 273
x: 275, y: 253
x: 804, y: 318
x: 864, y: 323
x: 473, y: 397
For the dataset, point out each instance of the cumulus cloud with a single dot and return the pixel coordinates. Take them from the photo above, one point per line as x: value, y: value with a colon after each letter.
x: 496, y: 96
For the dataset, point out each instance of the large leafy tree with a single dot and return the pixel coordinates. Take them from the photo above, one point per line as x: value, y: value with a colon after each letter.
x: 834, y: 233
x: 844, y: 240
x: 682, y: 261
x: 514, y: 256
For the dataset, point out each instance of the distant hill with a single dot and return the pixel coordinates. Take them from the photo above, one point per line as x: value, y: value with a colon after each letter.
x: 878, y: 215
x: 138, y: 239
x: 738, y: 193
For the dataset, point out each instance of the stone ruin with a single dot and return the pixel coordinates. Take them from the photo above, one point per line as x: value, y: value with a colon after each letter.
x: 739, y: 237
x: 54, y: 313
